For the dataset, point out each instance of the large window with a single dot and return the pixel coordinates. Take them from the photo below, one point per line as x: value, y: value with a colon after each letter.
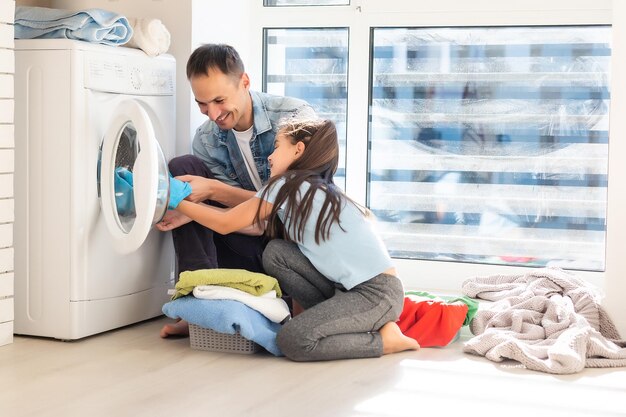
x: 477, y: 132
x: 491, y: 144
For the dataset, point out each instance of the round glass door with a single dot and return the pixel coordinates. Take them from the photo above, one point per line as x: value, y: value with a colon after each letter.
x: 126, y: 154
x: 134, y: 179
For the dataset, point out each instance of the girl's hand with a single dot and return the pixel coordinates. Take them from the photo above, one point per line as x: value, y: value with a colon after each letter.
x: 179, y: 190
x: 201, y: 188
x: 172, y: 220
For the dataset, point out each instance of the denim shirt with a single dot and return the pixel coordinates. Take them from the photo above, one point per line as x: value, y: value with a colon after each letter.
x: 219, y: 150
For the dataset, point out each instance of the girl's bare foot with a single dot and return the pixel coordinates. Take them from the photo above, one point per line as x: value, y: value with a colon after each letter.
x: 180, y: 328
x: 394, y: 341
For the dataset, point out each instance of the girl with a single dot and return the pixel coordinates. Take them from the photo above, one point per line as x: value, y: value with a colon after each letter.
x: 329, y: 259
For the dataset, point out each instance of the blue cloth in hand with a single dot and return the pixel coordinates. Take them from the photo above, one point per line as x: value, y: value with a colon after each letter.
x: 91, y: 25
x: 124, y: 195
x: 226, y: 316
x: 178, y: 191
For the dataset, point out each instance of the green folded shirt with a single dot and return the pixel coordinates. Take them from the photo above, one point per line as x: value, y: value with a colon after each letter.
x: 253, y: 283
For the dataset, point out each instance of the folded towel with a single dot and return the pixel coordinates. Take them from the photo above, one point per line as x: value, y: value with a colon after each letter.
x: 253, y: 283
x: 92, y: 25
x: 226, y: 316
x: 149, y: 35
x: 273, y: 308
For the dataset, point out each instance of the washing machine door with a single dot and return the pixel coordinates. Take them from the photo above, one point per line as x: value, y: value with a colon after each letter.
x: 134, y: 179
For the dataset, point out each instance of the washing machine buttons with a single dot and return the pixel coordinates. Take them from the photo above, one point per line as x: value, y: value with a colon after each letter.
x: 136, y: 78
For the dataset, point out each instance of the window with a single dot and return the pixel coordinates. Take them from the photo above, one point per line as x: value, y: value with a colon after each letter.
x: 477, y: 132
x: 490, y: 145
x: 311, y: 64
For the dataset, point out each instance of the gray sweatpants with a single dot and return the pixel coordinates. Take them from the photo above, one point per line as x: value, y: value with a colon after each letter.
x: 336, y: 323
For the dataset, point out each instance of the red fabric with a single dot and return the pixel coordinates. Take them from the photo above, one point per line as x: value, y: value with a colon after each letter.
x: 431, y: 323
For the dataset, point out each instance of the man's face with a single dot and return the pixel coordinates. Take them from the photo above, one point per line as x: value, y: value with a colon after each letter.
x: 224, y: 99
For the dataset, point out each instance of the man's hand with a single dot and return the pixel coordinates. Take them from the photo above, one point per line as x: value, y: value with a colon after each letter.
x: 172, y: 220
x: 201, y: 187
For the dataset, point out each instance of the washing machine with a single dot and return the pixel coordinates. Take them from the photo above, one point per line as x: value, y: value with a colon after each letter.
x: 87, y: 257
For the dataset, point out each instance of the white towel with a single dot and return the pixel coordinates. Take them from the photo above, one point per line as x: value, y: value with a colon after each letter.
x: 275, y: 309
x: 149, y: 35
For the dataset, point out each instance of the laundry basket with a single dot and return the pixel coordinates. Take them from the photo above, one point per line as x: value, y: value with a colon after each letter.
x: 202, y: 338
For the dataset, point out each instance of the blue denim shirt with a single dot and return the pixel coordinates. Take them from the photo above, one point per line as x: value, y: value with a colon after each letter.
x: 219, y: 150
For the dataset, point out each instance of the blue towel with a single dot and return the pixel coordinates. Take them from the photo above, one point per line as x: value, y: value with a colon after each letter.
x: 226, y: 316
x: 92, y: 25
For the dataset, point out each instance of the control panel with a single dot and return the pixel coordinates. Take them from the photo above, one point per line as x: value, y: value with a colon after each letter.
x: 129, y: 74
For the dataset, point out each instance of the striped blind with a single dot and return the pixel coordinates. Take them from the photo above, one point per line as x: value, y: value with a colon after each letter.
x: 490, y: 145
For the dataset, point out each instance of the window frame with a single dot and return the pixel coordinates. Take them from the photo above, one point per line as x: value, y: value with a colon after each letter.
x: 364, y: 15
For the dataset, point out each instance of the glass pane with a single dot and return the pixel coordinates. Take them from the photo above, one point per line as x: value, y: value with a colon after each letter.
x: 306, y: 2
x: 490, y: 145
x: 163, y: 187
x: 311, y: 64
x: 126, y: 154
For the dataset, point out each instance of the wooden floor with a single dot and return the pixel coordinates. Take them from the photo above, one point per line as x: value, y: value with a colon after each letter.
x: 132, y: 372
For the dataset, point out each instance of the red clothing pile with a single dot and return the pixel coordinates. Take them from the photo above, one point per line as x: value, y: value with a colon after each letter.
x: 430, y: 320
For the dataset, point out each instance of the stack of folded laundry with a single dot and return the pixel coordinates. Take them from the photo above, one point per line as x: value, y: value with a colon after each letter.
x: 92, y: 25
x: 231, y: 301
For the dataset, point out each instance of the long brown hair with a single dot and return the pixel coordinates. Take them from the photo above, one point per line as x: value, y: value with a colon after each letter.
x: 317, y: 166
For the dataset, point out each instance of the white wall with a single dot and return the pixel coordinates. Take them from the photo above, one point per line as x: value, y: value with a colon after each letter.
x: 7, y: 69
x: 226, y: 22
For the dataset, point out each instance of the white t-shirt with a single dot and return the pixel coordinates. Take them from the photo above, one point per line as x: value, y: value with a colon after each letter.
x: 243, y: 140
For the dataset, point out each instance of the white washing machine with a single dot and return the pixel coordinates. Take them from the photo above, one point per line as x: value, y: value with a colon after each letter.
x: 83, y: 263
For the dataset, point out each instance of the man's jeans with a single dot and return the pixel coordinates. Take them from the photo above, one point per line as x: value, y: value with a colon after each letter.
x: 198, y: 247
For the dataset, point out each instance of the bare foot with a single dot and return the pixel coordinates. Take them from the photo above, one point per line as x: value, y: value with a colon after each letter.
x: 180, y: 328
x: 394, y: 341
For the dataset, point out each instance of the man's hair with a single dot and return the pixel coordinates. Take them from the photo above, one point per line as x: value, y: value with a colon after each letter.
x: 215, y: 56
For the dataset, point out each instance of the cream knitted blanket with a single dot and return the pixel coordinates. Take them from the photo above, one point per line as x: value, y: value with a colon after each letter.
x: 547, y: 319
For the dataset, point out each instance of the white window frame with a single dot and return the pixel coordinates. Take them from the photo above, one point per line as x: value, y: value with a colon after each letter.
x: 362, y: 15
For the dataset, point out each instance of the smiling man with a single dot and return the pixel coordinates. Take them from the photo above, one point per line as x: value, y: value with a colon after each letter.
x: 229, y: 162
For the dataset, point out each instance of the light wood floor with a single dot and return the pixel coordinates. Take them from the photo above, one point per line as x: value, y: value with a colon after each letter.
x: 132, y: 372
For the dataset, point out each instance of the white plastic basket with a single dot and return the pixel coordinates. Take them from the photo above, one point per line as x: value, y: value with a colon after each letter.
x: 206, y: 339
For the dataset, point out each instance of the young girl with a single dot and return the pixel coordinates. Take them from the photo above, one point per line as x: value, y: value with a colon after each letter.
x: 328, y: 257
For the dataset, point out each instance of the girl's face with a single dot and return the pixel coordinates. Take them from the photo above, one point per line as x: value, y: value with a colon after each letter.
x: 284, y: 154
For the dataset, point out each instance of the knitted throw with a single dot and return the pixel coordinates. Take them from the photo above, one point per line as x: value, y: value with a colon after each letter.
x: 547, y: 319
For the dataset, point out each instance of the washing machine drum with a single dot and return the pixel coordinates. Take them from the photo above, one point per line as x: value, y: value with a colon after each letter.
x: 133, y: 177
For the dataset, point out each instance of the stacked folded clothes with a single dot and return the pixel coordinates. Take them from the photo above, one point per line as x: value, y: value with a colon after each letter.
x: 92, y: 25
x: 226, y: 316
x: 229, y: 301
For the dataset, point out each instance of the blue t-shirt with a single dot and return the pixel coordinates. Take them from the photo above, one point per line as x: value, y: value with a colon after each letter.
x: 352, y: 254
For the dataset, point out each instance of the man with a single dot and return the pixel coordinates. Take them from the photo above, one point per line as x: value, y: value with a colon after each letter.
x: 229, y: 162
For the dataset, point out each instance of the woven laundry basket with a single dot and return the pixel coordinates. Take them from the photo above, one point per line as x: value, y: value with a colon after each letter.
x: 202, y: 338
